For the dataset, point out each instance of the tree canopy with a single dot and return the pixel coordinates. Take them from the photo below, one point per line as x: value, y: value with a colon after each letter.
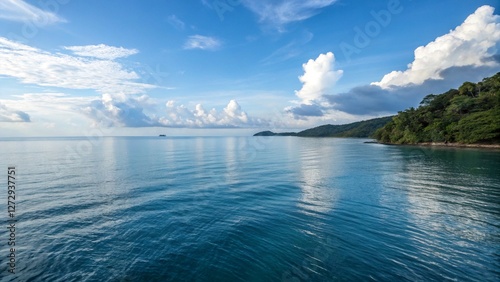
x: 468, y: 115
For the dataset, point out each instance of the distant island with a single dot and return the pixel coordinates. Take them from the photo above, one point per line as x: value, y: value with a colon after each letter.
x: 360, y: 129
x: 465, y: 117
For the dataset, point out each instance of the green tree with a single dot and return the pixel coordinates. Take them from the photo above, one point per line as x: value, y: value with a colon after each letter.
x: 468, y: 89
x: 427, y: 100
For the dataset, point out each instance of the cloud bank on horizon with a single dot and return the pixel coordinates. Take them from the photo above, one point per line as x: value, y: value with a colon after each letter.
x: 125, y: 111
x: 118, y: 96
x: 93, y: 67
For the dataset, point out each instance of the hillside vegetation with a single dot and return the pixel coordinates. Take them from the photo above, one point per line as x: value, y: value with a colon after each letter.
x: 468, y: 115
x: 357, y: 129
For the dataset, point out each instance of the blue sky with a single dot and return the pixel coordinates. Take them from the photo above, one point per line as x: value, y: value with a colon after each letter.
x: 231, y: 67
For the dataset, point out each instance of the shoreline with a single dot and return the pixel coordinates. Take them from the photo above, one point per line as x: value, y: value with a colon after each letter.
x: 459, y: 145
x: 449, y: 145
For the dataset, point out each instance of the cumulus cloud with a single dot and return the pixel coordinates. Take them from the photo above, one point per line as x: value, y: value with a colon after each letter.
x: 20, y: 11
x: 202, y: 42
x: 34, y: 66
x: 128, y: 111
x: 282, y: 12
x: 318, y: 80
x: 231, y: 116
x: 10, y: 115
x: 474, y: 43
x: 101, y: 51
x: 53, y: 107
x: 319, y: 77
x: 119, y: 110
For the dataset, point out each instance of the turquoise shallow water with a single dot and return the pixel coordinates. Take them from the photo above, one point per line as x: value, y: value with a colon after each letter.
x: 250, y: 209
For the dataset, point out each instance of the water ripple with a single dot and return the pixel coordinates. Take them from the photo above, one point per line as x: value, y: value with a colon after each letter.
x: 201, y: 209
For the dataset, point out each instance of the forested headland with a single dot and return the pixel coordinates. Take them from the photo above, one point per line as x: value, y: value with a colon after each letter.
x: 360, y: 129
x: 469, y: 115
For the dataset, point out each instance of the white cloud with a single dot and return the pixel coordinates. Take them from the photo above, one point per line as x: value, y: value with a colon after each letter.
x: 202, y: 42
x: 282, y: 12
x: 230, y: 116
x: 46, y: 103
x: 47, y: 108
x: 10, y: 115
x: 473, y: 43
x: 133, y: 111
x: 20, y: 11
x: 52, y: 114
x: 119, y: 111
x: 102, y: 51
x: 319, y: 78
x: 34, y: 66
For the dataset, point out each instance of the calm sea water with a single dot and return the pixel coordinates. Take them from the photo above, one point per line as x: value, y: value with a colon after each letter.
x: 250, y: 209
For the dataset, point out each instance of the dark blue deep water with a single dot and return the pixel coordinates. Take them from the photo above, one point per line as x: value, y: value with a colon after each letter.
x: 250, y: 209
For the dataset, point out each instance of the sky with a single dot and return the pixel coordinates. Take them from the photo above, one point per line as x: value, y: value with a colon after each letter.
x: 231, y: 67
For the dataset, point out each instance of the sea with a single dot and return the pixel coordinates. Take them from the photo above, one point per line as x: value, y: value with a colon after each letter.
x: 247, y: 209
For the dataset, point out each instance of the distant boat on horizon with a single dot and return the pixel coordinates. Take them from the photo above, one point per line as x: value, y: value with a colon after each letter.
x: 163, y: 135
